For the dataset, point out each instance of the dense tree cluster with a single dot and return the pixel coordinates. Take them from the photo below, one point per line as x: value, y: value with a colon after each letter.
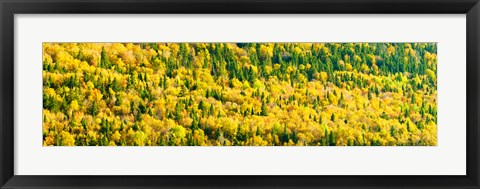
x: 239, y: 94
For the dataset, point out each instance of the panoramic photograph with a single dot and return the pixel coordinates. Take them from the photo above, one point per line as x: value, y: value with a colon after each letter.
x: 239, y: 94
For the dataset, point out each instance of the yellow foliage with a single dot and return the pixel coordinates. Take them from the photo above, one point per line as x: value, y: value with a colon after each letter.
x: 229, y: 94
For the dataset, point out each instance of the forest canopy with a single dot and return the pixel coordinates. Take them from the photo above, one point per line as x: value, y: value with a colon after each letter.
x: 239, y: 94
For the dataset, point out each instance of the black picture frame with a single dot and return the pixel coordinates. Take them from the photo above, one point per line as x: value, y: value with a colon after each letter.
x: 11, y: 7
